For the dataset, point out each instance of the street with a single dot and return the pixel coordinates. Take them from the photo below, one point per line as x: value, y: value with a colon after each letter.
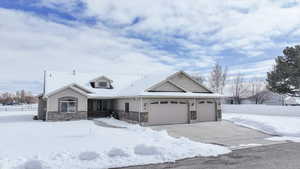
x: 279, y: 156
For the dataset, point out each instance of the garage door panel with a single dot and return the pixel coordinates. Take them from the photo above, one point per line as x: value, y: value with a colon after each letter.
x: 206, y: 111
x: 168, y: 113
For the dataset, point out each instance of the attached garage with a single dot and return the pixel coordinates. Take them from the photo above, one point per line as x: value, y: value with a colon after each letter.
x: 206, y: 110
x: 168, y: 112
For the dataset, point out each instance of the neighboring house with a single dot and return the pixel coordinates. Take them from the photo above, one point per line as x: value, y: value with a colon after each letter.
x: 264, y: 97
x: 292, y: 101
x: 150, y: 100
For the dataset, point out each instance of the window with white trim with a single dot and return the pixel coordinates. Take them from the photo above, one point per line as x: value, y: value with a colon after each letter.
x: 68, y: 105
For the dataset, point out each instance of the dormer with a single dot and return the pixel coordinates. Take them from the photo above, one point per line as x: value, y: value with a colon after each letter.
x: 101, y: 82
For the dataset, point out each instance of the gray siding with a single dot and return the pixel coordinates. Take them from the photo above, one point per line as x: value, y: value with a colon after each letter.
x: 53, y: 113
x: 135, y: 107
x: 187, y: 83
x: 167, y: 87
x: 52, y: 104
x: 134, y: 104
x: 42, y: 108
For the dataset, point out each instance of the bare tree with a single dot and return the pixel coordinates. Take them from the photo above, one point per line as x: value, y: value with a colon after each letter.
x: 224, y: 78
x: 262, y: 96
x: 239, y: 88
x: 217, y: 79
x: 259, y: 91
x: 199, y: 79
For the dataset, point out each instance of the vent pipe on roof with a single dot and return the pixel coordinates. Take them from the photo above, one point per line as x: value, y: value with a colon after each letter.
x: 74, y: 72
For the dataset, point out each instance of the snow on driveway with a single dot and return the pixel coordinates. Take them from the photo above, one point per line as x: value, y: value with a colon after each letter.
x: 284, y: 126
x: 28, y: 144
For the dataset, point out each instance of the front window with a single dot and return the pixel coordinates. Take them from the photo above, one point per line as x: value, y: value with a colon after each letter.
x: 102, y: 84
x: 68, y: 105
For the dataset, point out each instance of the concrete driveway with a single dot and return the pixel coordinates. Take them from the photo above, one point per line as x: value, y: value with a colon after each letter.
x: 221, y: 133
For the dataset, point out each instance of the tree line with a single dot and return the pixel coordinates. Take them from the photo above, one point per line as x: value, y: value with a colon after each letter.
x: 239, y: 87
x: 283, y: 79
x: 18, y: 97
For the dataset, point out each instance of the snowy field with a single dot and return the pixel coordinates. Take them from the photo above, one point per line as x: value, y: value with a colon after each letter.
x: 28, y: 144
x: 281, y: 121
x: 291, y: 111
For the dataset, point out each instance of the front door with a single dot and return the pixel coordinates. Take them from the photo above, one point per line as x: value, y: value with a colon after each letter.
x: 98, y: 108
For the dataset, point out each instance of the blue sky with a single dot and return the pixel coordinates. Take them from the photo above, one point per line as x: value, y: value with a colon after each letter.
x: 140, y: 37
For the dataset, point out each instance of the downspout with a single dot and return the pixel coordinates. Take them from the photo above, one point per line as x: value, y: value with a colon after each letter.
x: 141, y: 106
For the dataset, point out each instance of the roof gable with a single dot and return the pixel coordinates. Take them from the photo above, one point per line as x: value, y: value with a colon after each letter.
x: 188, y: 82
x: 182, y: 81
x: 166, y: 86
x: 101, y: 78
x: 83, y: 89
x: 73, y: 87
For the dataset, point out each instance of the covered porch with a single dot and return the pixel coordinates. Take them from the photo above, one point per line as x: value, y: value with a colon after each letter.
x: 99, y: 108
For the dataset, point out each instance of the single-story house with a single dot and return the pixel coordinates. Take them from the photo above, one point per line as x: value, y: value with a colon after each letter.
x: 148, y: 100
x: 292, y: 101
x: 264, y: 97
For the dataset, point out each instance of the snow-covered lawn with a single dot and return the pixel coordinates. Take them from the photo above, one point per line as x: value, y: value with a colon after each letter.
x: 28, y: 144
x: 281, y: 121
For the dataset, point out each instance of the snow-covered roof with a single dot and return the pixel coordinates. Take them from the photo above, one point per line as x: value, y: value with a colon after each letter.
x: 123, y: 85
x: 292, y: 100
x: 57, y: 80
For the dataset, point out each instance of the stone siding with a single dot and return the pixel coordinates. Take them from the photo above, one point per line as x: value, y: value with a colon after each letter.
x: 133, y: 116
x: 56, y: 116
x: 42, y: 106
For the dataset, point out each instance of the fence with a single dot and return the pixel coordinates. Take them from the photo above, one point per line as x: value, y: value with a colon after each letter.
x: 25, y: 107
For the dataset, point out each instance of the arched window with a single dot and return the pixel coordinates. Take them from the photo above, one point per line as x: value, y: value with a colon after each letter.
x: 67, y: 105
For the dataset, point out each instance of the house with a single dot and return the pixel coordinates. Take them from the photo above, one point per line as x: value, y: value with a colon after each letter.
x: 148, y: 100
x: 292, y: 101
x: 265, y: 97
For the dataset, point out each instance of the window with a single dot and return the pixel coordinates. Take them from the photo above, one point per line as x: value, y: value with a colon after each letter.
x: 201, y: 102
x: 104, y: 105
x: 210, y: 102
x: 102, y: 84
x: 154, y: 103
x: 67, y: 105
x: 98, y: 105
x: 174, y: 102
x: 126, y: 107
x: 164, y: 102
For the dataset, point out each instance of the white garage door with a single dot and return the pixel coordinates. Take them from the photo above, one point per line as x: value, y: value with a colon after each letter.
x: 168, y: 112
x: 206, y: 110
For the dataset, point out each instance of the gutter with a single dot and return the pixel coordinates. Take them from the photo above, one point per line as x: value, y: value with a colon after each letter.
x: 151, y: 96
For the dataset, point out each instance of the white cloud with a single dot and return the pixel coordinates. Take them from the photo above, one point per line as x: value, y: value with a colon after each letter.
x: 29, y: 45
x: 200, y: 29
x: 238, y: 24
x: 249, y: 70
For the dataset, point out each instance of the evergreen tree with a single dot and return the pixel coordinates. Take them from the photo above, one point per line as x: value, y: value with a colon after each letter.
x: 285, y: 76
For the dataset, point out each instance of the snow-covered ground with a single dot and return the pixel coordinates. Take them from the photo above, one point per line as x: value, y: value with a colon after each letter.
x: 28, y: 144
x: 281, y: 121
x: 291, y: 111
